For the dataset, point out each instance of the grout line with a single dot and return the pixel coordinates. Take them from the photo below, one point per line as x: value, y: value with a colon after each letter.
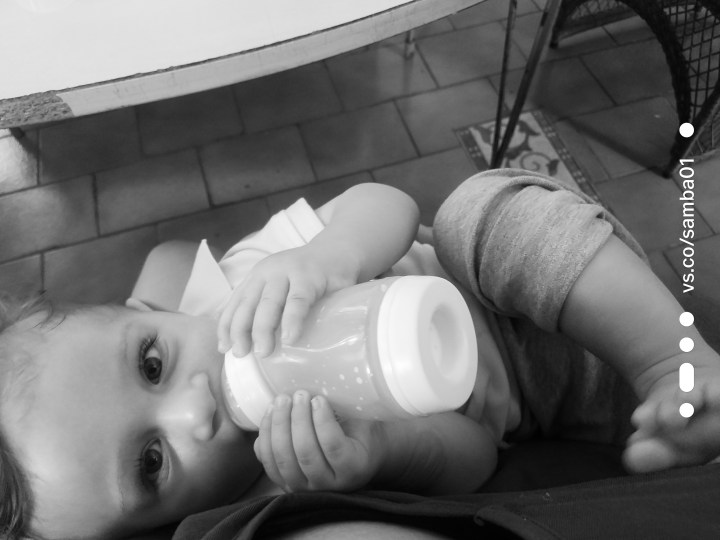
x: 418, y: 52
x: 238, y: 108
x: 333, y: 84
x: 407, y: 129
x: 43, y: 286
x: 136, y: 116
x: 306, y: 150
x: 96, y: 202
x: 203, y: 175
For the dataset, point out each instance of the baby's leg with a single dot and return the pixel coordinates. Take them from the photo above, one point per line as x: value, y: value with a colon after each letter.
x: 675, y: 427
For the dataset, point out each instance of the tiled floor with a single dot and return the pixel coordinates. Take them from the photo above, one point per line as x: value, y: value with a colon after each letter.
x: 82, y: 202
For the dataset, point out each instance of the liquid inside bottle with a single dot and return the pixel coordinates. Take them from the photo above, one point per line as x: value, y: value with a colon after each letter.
x: 338, y: 354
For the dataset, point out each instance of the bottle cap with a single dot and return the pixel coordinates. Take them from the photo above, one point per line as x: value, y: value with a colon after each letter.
x: 246, y: 392
x: 426, y: 344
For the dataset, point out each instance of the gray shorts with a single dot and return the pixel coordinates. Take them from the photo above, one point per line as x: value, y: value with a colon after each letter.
x: 566, y: 391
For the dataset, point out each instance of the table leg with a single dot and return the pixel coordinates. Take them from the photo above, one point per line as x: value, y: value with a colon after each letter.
x: 410, y: 43
x: 542, y: 38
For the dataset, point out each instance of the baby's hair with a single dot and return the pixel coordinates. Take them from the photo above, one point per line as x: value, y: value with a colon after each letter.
x: 16, y: 503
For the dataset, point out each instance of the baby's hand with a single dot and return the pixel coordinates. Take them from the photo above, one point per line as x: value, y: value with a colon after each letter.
x: 278, y: 292
x: 303, y: 447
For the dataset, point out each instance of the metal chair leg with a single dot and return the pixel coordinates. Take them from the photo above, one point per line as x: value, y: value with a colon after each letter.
x: 542, y: 38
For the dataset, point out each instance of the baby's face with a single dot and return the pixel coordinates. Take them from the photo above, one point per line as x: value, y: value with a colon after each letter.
x: 126, y: 428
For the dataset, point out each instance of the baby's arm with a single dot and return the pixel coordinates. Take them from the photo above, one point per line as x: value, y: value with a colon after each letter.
x: 367, y: 229
x: 503, y: 233
x: 303, y: 447
x: 439, y: 454
x: 619, y: 310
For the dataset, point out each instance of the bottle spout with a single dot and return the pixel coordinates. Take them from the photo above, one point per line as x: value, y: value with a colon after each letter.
x: 246, y: 393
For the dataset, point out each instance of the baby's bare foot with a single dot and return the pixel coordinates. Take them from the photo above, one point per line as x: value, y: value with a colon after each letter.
x: 665, y: 437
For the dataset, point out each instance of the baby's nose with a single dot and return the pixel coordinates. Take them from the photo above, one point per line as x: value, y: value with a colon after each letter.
x: 192, y: 409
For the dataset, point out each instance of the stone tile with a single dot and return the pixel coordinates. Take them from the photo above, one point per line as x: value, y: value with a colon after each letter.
x: 378, y: 74
x: 432, y: 28
x: 257, y: 164
x: 526, y: 28
x: 151, y: 190
x: 100, y: 271
x: 706, y: 189
x: 436, y: 27
x: 193, y: 120
x: 45, y: 217
x: 316, y: 194
x: 221, y: 227
x: 18, y: 162
x: 489, y: 11
x: 356, y: 141
x: 22, y: 277
x: 88, y: 144
x: 463, y: 55
x: 630, y: 138
x: 287, y: 98
x: 429, y: 180
x: 431, y: 117
x: 561, y: 88
x: 631, y: 72
x: 706, y: 265
x: 629, y: 30
x: 581, y: 152
x: 648, y: 206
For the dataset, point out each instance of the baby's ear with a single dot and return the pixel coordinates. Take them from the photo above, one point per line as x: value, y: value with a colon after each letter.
x: 134, y: 303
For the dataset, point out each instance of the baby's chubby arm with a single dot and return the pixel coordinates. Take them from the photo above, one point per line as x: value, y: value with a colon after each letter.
x: 368, y: 228
x: 620, y: 311
x: 303, y: 447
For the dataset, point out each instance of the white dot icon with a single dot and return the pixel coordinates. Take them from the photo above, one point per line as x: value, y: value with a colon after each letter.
x: 686, y: 344
x: 687, y: 318
x: 686, y: 410
x: 687, y: 130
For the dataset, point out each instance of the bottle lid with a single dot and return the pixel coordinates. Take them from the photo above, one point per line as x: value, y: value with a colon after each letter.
x: 246, y: 392
x: 426, y: 344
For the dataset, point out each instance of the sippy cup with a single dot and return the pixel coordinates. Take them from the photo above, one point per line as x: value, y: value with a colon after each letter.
x: 385, y: 349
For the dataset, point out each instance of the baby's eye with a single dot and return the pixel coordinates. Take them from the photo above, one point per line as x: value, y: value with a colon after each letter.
x: 150, y: 465
x: 150, y: 363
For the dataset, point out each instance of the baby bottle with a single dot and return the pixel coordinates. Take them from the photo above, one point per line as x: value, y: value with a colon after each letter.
x: 385, y: 349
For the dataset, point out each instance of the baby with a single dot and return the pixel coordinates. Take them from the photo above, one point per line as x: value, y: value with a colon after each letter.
x: 111, y: 420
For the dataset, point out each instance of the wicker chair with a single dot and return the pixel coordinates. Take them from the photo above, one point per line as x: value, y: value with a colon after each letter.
x: 689, y: 33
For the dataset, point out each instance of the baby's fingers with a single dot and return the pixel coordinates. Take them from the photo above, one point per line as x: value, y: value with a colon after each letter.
x: 309, y: 455
x: 267, y: 317
x: 283, y: 452
x: 236, y: 320
x: 336, y: 446
x: 300, y: 298
x: 263, y: 449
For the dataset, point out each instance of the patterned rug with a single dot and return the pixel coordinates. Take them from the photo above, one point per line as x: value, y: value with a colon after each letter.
x: 535, y: 146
